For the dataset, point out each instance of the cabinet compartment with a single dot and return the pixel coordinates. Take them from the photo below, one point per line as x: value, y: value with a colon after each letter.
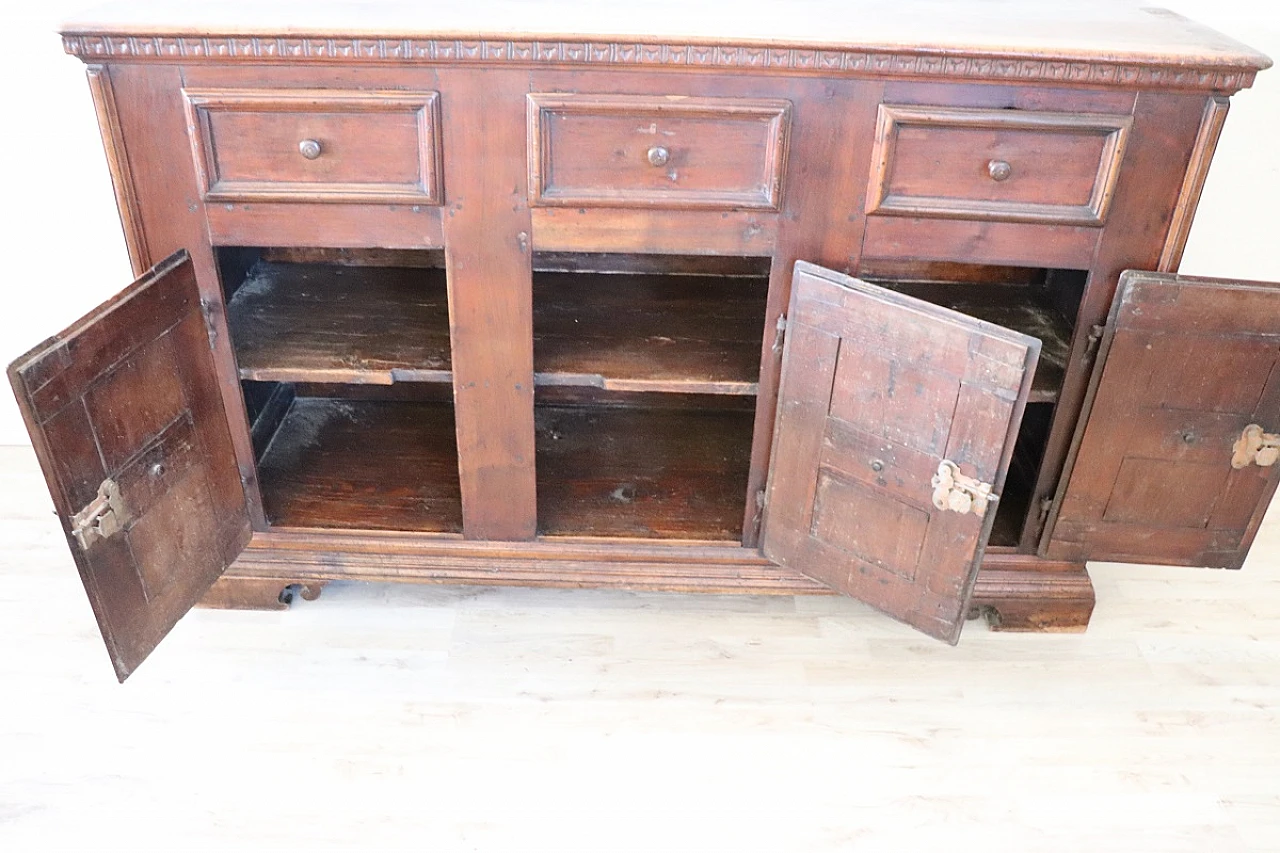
x: 344, y: 359
x: 654, y: 466
x: 631, y: 323
x: 316, y: 316
x: 339, y: 459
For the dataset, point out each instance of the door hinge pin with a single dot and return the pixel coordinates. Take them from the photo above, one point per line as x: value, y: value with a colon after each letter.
x: 1095, y: 337
x: 781, y: 327
x: 206, y: 311
x: 1046, y: 504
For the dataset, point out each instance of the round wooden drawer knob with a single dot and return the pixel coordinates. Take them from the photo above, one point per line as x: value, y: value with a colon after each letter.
x: 999, y: 170
x: 309, y: 148
x: 658, y: 156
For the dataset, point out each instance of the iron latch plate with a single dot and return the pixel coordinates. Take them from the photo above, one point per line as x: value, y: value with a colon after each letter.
x: 1255, y: 447
x: 955, y: 492
x: 101, y: 518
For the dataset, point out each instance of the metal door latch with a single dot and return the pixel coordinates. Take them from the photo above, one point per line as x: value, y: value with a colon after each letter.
x: 101, y: 518
x: 1255, y: 447
x: 955, y: 492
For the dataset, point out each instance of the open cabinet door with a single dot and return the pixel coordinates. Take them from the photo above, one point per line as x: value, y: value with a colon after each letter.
x: 1165, y: 467
x: 896, y: 422
x: 127, y: 421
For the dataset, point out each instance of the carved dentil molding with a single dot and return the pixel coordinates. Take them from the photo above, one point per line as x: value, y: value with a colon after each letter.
x: 851, y: 62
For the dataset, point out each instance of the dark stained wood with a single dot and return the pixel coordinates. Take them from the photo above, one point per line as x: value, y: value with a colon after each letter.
x: 488, y: 259
x: 329, y: 323
x: 877, y: 389
x: 1185, y: 365
x: 129, y: 394
x: 363, y: 465
x: 690, y: 334
x: 646, y: 473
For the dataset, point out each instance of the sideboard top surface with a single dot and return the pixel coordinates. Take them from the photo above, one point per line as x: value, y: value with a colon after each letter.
x: 1105, y: 33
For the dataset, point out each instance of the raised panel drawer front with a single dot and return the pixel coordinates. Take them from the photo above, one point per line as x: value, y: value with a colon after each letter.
x: 1007, y: 165
x: 310, y: 145
x: 657, y: 151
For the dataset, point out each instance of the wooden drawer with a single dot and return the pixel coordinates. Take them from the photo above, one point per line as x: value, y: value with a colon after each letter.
x: 1010, y: 165
x: 316, y: 146
x: 657, y: 151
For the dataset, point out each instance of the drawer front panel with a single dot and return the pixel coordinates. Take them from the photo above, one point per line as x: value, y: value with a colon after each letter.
x: 1005, y: 165
x: 657, y: 151
x: 316, y: 146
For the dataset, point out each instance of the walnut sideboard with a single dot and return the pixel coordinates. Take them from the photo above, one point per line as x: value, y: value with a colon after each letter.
x: 792, y: 298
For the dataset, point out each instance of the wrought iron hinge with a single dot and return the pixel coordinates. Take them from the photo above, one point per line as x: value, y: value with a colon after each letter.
x: 206, y: 311
x: 1095, y: 337
x: 101, y: 518
x: 1046, y: 504
x: 781, y: 326
x: 954, y: 492
x: 1255, y: 447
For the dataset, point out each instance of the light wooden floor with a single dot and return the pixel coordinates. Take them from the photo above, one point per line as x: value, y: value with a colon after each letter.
x: 440, y: 719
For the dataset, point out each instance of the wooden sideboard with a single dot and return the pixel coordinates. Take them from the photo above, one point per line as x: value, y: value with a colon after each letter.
x: 805, y: 298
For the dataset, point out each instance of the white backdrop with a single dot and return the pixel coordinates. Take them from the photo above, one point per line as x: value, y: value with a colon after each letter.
x: 64, y: 252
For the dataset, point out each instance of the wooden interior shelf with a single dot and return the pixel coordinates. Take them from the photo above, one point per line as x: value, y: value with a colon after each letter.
x: 363, y: 465
x: 626, y: 332
x: 317, y: 322
x: 655, y: 473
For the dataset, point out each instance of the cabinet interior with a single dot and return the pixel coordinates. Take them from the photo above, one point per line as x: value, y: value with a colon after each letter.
x: 344, y: 360
x: 1042, y: 303
x: 646, y: 372
x: 646, y: 369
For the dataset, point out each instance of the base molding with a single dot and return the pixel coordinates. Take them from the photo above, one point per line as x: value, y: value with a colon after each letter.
x: 1021, y: 593
x: 1016, y: 592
